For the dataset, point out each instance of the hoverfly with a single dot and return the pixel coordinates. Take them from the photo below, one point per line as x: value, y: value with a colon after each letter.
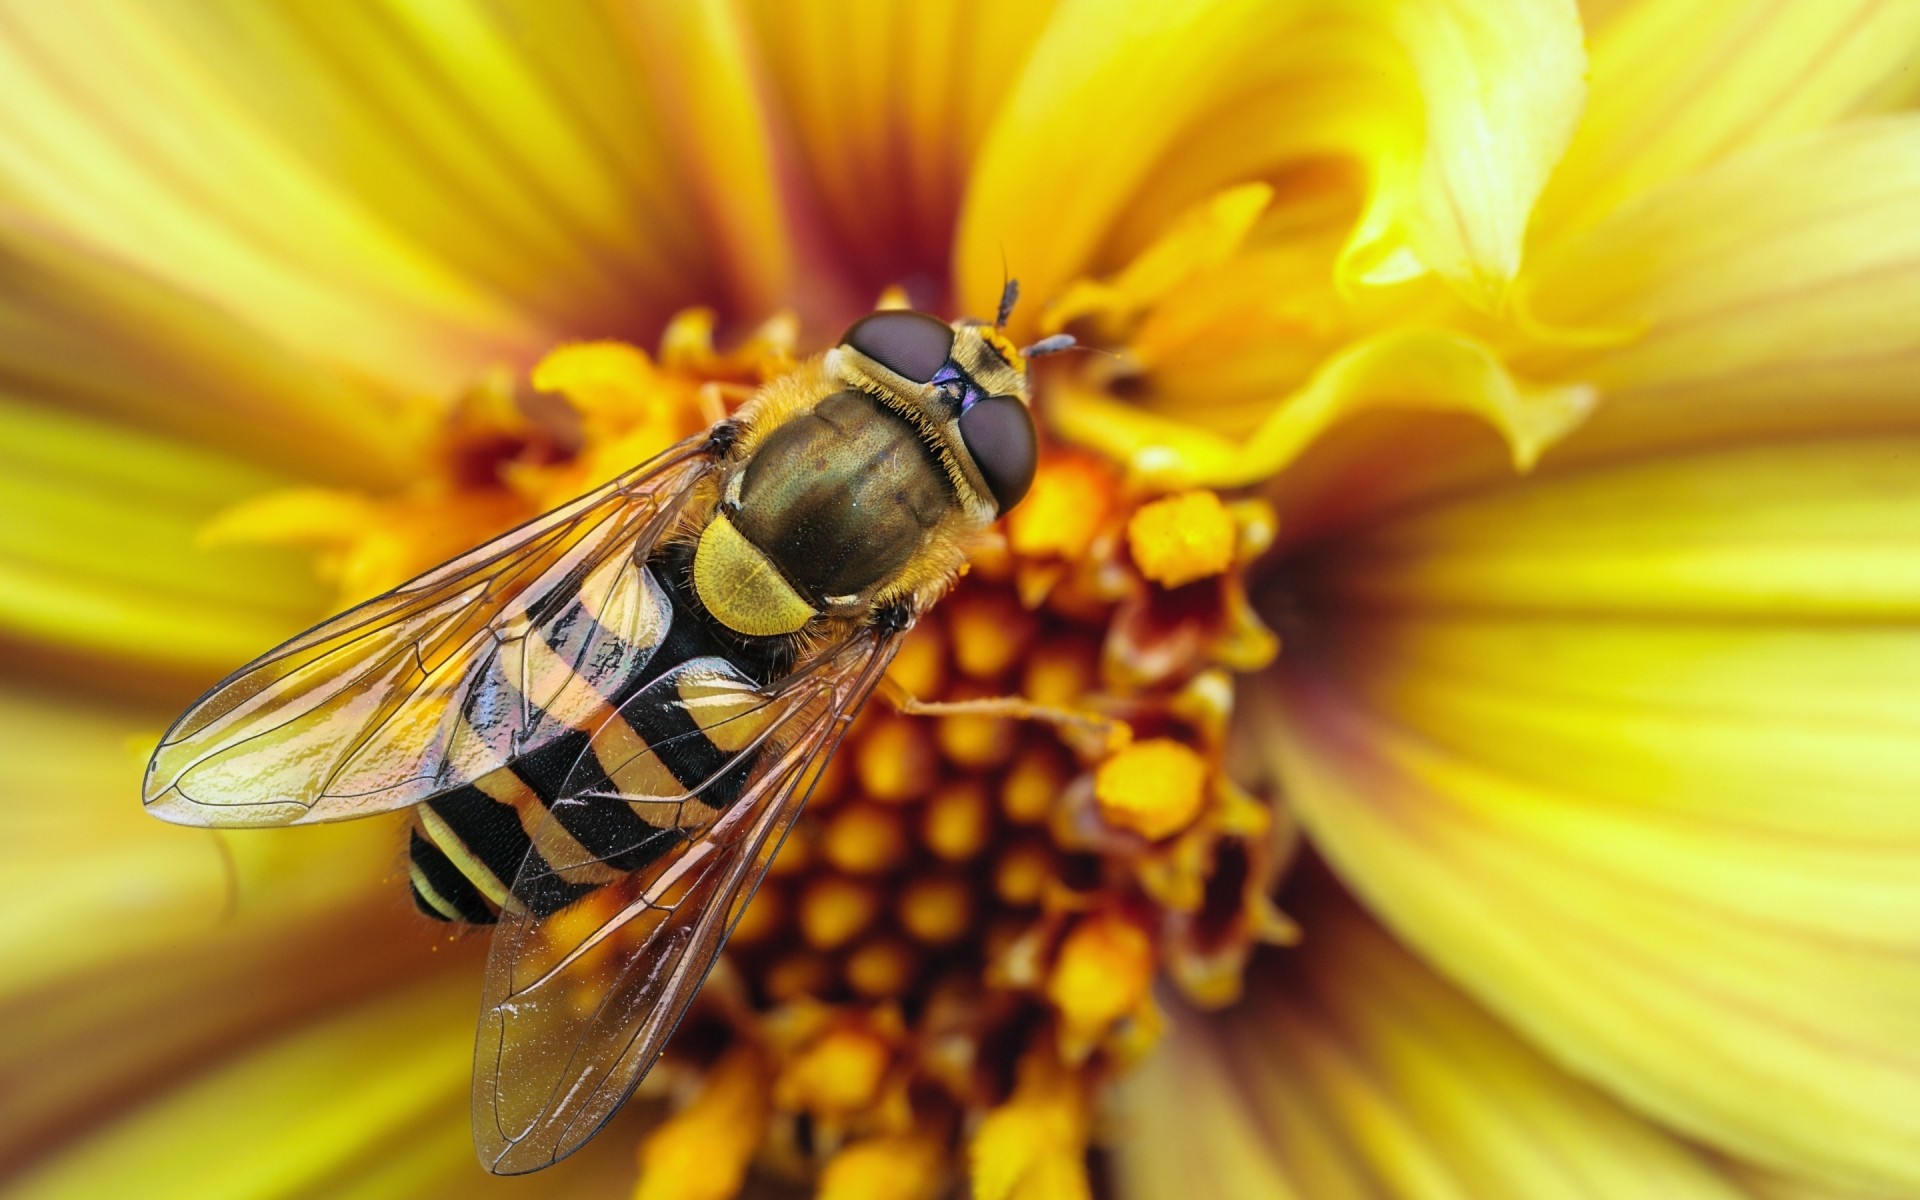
x: 606, y: 720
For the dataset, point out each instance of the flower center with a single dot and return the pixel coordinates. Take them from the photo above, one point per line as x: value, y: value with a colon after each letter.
x: 1025, y: 831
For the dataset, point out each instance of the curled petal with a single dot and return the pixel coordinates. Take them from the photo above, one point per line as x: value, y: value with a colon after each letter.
x: 1408, y: 369
x: 1474, y: 100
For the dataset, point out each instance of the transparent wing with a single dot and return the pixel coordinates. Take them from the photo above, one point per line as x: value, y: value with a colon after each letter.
x: 579, y: 1002
x: 441, y: 680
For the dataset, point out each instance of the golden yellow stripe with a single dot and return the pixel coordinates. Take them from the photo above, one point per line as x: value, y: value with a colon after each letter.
x: 549, y: 836
x: 464, y: 860
x: 632, y: 764
x: 728, y: 709
x: 434, y: 899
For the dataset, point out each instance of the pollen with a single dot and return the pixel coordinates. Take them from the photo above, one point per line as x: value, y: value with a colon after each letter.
x: 838, y: 1074
x: 864, y: 839
x: 896, y: 760
x: 797, y: 976
x: 1022, y: 873
x: 937, y: 910
x: 1032, y: 785
x: 905, y: 1167
x: 976, y: 741
x: 1059, y: 673
x: 1181, y: 539
x: 920, y: 665
x: 1154, y: 787
x: 834, y: 910
x: 990, y: 632
x: 958, y: 820
x: 1065, y: 509
x: 882, y: 969
x: 1104, y: 968
x: 702, y: 1151
x: 764, y: 916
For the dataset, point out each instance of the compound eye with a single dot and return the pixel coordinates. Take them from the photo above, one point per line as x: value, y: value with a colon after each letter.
x: 999, y: 435
x: 911, y: 344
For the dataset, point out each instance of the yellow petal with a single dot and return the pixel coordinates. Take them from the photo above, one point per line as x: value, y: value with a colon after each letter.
x: 371, y: 1102
x: 698, y: 60
x: 1502, y: 81
x: 1765, y: 298
x: 82, y: 331
x: 1631, y: 754
x: 1679, y: 84
x: 100, y: 555
x: 1203, y: 238
x: 885, y: 148
x: 1774, y: 294
x: 1355, y: 1073
x: 1412, y: 369
x: 1483, y: 95
x: 294, y: 1113
x: 97, y: 880
x: 230, y: 153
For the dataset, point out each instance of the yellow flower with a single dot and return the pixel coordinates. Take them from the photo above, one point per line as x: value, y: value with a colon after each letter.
x: 1544, y: 379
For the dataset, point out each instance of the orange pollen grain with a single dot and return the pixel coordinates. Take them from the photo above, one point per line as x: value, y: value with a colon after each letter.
x: 1154, y: 787
x: 799, y: 974
x: 1022, y: 873
x: 975, y: 741
x: 1032, y: 784
x: 1060, y: 672
x: 1102, y: 972
x: 863, y: 839
x: 937, y: 910
x: 1064, y: 511
x: 895, y: 758
x: 957, y: 820
x: 838, y: 1074
x: 920, y: 665
x: 833, y: 910
x: 1182, y: 538
x: 882, y: 968
x: 761, y: 918
x: 990, y: 632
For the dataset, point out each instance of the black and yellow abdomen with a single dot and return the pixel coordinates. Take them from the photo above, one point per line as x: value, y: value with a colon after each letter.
x: 636, y: 779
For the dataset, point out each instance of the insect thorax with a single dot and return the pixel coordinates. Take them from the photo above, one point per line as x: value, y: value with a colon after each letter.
x: 833, y: 508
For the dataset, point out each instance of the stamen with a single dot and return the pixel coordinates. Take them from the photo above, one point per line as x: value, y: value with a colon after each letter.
x: 839, y: 1074
x: 864, y: 839
x: 1154, y: 788
x: 834, y: 910
x: 1181, y: 539
x: 937, y: 910
x: 1101, y: 975
x: 1033, y: 783
x: 703, y: 1150
x: 958, y: 820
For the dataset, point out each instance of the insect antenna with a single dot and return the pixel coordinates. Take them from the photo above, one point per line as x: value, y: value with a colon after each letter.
x: 1053, y: 345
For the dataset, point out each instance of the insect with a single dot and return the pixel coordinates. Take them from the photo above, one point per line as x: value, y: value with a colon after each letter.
x: 606, y: 720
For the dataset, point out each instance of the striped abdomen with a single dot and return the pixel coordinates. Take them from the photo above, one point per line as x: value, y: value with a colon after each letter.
x: 585, y: 808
